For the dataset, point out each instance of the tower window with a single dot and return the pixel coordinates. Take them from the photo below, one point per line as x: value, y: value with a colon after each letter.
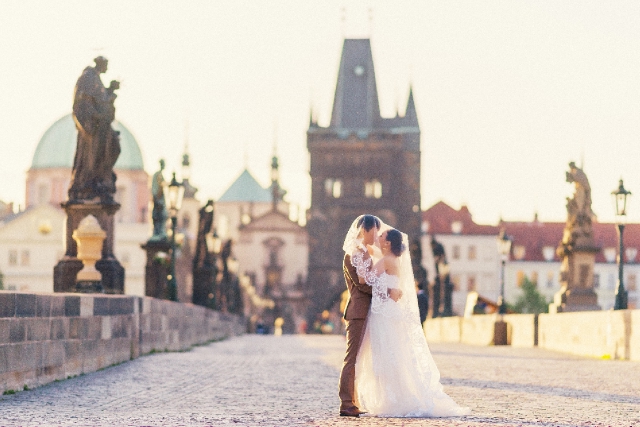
x: 373, y: 189
x: 333, y: 188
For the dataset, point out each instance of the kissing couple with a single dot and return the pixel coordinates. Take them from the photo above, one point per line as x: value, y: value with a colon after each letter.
x: 388, y: 370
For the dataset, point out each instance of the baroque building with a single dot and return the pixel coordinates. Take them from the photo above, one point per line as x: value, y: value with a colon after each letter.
x: 360, y: 163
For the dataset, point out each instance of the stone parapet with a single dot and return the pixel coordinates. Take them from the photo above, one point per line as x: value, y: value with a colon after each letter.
x: 603, y: 334
x: 47, y: 337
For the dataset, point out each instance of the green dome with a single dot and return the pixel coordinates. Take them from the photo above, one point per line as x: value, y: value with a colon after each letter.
x: 57, y: 147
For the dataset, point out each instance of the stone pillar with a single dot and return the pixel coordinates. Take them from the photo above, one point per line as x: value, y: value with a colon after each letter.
x: 576, y: 280
x: 64, y: 273
x: 156, y: 271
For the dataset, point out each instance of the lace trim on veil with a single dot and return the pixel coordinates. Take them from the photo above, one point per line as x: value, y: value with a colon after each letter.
x: 379, y: 289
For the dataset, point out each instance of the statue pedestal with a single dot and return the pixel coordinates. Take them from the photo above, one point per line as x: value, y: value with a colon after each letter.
x: 155, y: 271
x: 65, y: 272
x: 204, y: 280
x: 576, y: 279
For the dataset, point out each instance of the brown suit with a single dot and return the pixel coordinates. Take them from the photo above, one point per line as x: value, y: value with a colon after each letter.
x: 355, y: 313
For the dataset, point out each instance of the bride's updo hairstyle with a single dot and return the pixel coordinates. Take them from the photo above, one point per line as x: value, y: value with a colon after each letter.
x: 395, y: 237
x: 368, y: 222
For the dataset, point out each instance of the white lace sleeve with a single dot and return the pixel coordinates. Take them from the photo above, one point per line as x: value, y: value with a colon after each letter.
x: 379, y: 290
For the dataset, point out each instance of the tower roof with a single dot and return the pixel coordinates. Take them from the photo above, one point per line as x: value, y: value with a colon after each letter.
x: 57, y: 147
x: 246, y: 189
x: 355, y: 105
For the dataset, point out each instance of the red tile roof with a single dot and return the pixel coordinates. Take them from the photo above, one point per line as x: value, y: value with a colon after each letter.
x: 533, y: 236
x: 440, y: 219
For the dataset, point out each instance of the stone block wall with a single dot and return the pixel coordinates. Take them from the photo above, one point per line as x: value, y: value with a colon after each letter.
x: 46, y: 337
x: 602, y: 334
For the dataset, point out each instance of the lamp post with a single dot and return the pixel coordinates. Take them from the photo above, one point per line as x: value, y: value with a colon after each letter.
x: 504, y: 248
x: 620, y: 197
x: 174, y: 202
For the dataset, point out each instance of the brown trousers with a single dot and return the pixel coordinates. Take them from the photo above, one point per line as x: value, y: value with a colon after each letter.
x: 347, y: 393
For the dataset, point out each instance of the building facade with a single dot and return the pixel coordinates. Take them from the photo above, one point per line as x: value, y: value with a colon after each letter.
x: 475, y: 263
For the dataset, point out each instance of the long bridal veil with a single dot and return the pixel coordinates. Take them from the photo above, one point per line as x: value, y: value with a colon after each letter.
x: 395, y: 372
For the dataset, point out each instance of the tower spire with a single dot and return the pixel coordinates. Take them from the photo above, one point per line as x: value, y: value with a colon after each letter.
x: 410, y: 115
x: 355, y: 104
x: 189, y: 190
x: 276, y: 191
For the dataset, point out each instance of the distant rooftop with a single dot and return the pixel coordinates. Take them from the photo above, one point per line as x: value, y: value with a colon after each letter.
x: 246, y: 189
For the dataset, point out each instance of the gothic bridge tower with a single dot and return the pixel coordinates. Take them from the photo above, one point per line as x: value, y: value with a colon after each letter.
x: 361, y: 163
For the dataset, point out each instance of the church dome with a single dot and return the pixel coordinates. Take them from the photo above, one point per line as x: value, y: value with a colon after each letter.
x: 57, y: 147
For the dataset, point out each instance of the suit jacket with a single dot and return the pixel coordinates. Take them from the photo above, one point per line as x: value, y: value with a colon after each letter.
x: 359, y: 294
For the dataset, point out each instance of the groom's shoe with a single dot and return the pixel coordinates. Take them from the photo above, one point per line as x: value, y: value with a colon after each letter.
x: 353, y: 412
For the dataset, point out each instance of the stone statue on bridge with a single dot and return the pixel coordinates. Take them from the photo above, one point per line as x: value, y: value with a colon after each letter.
x: 577, y: 250
x: 159, y: 213
x: 98, y: 145
x: 578, y: 231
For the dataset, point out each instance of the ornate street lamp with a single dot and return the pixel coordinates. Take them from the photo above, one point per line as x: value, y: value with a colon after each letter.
x: 173, y: 197
x: 504, y: 248
x: 620, y: 200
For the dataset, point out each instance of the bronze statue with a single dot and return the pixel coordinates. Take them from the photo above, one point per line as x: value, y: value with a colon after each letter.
x: 98, y: 145
x: 205, y: 222
x: 159, y: 213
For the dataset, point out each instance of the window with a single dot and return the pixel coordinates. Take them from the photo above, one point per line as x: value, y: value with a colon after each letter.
x: 24, y: 257
x: 534, y: 278
x: 519, y: 252
x: 471, y: 283
x: 455, y: 279
x: 13, y: 257
x: 631, y: 282
x: 472, y: 252
x: 373, y: 189
x: 43, y: 194
x: 333, y: 188
x: 610, y: 254
x: 456, y: 252
x: 551, y: 275
x: 520, y: 278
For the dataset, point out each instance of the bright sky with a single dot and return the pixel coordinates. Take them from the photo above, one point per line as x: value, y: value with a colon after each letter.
x: 507, y: 92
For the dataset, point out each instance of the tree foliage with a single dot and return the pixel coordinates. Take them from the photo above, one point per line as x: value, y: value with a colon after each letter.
x: 531, y: 301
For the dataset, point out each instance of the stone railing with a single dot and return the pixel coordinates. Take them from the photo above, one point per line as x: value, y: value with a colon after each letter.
x: 601, y: 334
x: 47, y: 337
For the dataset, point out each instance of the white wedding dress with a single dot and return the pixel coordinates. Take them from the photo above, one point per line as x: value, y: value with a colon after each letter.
x: 396, y: 375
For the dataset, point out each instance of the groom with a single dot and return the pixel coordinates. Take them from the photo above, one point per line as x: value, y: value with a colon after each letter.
x: 355, y: 314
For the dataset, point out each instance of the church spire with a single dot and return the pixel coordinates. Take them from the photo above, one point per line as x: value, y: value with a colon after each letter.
x: 189, y: 190
x: 277, y: 193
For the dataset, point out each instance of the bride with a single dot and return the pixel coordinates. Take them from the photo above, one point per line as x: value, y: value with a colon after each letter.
x: 396, y: 375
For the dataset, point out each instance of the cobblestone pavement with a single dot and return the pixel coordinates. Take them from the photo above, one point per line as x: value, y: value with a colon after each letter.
x: 292, y: 381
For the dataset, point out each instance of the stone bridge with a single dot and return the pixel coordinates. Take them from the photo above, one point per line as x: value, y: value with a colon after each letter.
x: 291, y: 380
